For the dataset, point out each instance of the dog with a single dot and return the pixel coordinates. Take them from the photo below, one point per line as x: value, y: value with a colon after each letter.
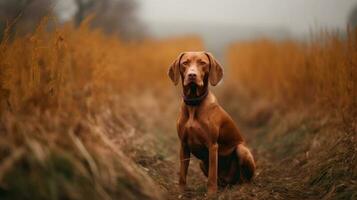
x: 205, y: 130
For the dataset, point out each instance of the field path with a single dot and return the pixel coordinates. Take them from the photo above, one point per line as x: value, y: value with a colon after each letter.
x: 274, y: 178
x: 295, y: 155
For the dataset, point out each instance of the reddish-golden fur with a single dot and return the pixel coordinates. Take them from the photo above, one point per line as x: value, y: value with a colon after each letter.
x: 206, y: 130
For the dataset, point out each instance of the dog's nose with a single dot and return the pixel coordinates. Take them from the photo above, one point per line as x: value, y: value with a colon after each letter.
x: 192, y: 75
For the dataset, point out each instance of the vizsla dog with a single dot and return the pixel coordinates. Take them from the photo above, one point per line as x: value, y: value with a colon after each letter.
x: 204, y: 128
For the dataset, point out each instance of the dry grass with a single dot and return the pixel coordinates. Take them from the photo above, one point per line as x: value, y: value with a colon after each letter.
x: 298, y: 105
x: 320, y: 72
x: 77, y: 107
x: 68, y: 63
x: 67, y: 110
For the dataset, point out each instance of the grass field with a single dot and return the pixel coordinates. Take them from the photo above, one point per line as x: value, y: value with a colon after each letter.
x: 88, y: 116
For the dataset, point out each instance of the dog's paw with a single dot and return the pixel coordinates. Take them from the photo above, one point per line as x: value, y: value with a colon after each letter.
x: 212, y: 192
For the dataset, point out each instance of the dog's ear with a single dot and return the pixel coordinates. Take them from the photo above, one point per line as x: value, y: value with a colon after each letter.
x: 216, y: 70
x: 174, y: 70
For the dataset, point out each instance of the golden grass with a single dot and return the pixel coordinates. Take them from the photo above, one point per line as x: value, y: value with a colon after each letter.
x: 65, y: 111
x: 66, y: 63
x: 298, y: 101
x: 72, y: 99
x: 289, y: 73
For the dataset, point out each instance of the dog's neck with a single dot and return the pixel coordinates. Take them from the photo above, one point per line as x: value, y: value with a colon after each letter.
x: 193, y: 95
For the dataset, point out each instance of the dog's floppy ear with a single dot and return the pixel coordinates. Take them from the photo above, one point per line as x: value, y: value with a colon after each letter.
x: 174, y: 70
x: 216, y: 70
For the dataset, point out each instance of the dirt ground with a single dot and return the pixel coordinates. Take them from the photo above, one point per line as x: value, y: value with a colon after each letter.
x: 294, y: 159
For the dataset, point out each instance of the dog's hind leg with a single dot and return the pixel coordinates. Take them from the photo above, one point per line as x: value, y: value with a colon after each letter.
x: 246, y: 163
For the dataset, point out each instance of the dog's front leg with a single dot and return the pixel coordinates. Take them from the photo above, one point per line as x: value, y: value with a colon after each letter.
x: 184, y: 163
x: 212, y: 170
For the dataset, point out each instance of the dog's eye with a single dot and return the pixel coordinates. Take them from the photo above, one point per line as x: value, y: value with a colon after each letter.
x: 202, y: 63
x: 185, y: 63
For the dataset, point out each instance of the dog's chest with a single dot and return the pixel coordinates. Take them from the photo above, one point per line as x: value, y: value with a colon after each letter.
x: 195, y: 132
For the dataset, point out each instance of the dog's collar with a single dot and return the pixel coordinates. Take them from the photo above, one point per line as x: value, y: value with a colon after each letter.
x: 195, y: 101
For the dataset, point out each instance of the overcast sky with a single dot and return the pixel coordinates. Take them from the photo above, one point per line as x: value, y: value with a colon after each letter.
x: 299, y: 16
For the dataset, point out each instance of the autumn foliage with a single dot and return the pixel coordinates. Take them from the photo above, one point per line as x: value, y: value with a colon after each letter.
x: 321, y: 71
x: 84, y: 115
x: 65, y: 111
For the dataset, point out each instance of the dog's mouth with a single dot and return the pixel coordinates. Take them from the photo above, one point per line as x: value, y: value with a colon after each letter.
x: 192, y: 89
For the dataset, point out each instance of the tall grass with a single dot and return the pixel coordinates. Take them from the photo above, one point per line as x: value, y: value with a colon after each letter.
x: 319, y: 72
x: 65, y: 112
x: 302, y: 99
x: 67, y: 63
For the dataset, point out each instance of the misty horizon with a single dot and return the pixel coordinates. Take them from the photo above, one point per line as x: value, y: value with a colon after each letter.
x: 299, y: 17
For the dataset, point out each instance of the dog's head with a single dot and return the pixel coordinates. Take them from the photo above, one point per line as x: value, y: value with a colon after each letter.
x: 196, y: 69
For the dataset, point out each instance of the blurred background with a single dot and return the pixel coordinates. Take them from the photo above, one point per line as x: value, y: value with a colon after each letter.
x: 221, y: 23
x: 217, y: 23
x: 87, y: 110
